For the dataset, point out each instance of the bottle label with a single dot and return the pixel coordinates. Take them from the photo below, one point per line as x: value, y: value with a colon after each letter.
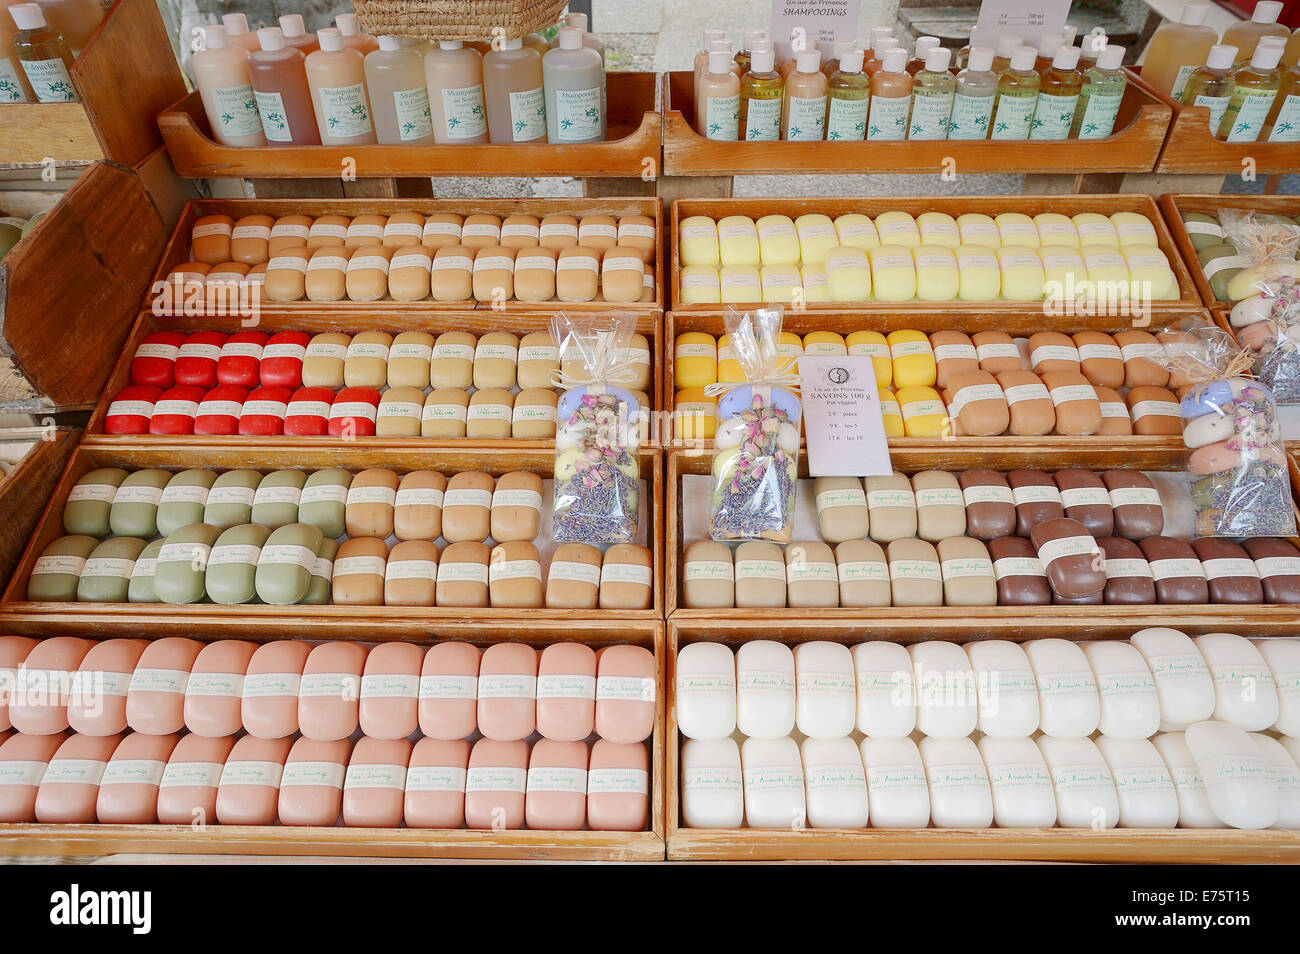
x: 807, y: 120
x: 763, y: 120
x: 1218, y: 105
x: 1180, y: 81
x: 970, y: 117
x: 578, y: 114
x: 1014, y: 114
x: 52, y: 84
x: 1252, y: 109
x: 1098, y: 120
x: 848, y: 120
x: 528, y: 115
x: 346, y: 112
x: 888, y: 117
x: 930, y: 116
x: 414, y: 119
x: 722, y: 118
x: 463, y: 115
x: 275, y: 119
x: 1053, y: 116
x: 11, y: 87
x: 1285, y: 129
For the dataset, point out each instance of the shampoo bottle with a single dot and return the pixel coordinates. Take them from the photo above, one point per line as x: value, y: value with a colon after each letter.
x: 1211, y: 86
x: 1246, y: 34
x: 237, y: 32
x: 762, y: 91
x: 221, y: 74
x: 1058, y: 96
x: 278, y: 75
x: 804, y: 116
x: 932, y: 97
x: 454, y: 74
x: 1177, y: 49
x: 515, y: 95
x: 74, y: 20
x: 1103, y: 91
x: 398, y: 96
x: 43, y: 55
x: 972, y: 106
x: 849, y: 91
x: 1255, y: 89
x: 337, y: 77
x: 891, y: 98
x: 717, y: 100
x: 296, y: 35
x: 575, y: 91
x: 1017, y: 96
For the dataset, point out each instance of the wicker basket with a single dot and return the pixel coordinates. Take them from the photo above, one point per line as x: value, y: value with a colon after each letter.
x: 457, y: 19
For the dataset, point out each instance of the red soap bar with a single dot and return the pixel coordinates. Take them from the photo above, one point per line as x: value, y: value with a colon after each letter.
x: 263, y: 412
x: 220, y: 409
x: 282, y: 359
x: 196, y: 364
x: 155, y: 358
x: 309, y: 412
x: 131, y: 409
x: 174, y: 411
x: 353, y: 412
x: 240, y: 357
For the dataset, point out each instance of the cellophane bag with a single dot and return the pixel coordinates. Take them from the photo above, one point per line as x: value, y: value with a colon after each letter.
x: 597, y: 476
x: 1265, y: 247
x: 756, y: 446
x: 1268, y: 326
x: 1240, y: 485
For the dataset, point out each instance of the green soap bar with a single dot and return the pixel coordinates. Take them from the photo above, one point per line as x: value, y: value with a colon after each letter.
x: 135, y: 505
x: 183, y: 500
x: 1211, y: 488
x: 90, y: 500
x: 322, y: 575
x: 284, y: 568
x: 57, y: 570
x: 1272, y: 218
x: 232, y: 564
x: 1219, y: 279
x: 276, y: 502
x: 323, y: 501
x: 1201, y: 240
x: 141, y: 588
x: 230, y: 501
x: 107, y: 574
x: 182, y: 563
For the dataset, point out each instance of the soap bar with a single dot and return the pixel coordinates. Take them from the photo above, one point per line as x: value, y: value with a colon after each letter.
x: 1074, y: 564
x: 1100, y: 359
x: 774, y: 782
x: 778, y: 241
x: 1095, y: 229
x: 282, y: 359
x: 1114, y: 412
x: 1068, y: 702
x: 411, y: 573
x: 275, y: 502
x: 175, y: 409
x: 96, y: 704
x: 240, y: 358
x: 897, y: 793
x: 1085, y: 791
x: 322, y: 502
x: 264, y: 411
x: 375, y: 784
x: 515, y: 575
x: 960, y: 796
x: 857, y: 230
x: 893, y: 271
x: 248, y: 793
x: 700, y: 285
x: 269, y: 708
x: 451, y: 276
x: 848, y: 274
x: 134, y: 511
x: 940, y: 506
x: 417, y: 506
x: 1085, y: 499
x: 69, y: 786
x: 923, y: 412
x: 891, y: 505
x: 1136, y: 504
x: 914, y: 573
x: 954, y: 355
x: 400, y: 412
x: 1154, y: 411
x: 445, y: 414
x: 990, y: 507
x: 937, y: 274
x: 1278, y: 565
x: 946, y: 699
x: 463, y: 574
x: 1177, y: 571
x: 863, y: 573
x: 371, y: 498
x: 1183, y: 683
x: 1128, y: 574
x: 573, y: 578
x: 811, y: 575
x: 538, y: 359
x: 913, y: 358
x: 1237, y: 780
x: 88, y: 505
x: 708, y: 576
x: 215, y: 688
x: 1005, y: 685
x: 841, y: 508
x: 1036, y: 498
x: 1129, y: 708
x: 285, y: 564
x: 179, y: 573
x: 322, y: 575
x: 1028, y: 403
x: 329, y: 693
x: 219, y: 410
x: 968, y: 577
x: 1056, y: 229
x: 488, y: 415
x: 1022, y: 274
x: 996, y: 352
x: 625, y: 577
x: 466, y: 507
x: 311, y: 788
x: 141, y: 588
x: 359, y: 570
x: 155, y: 699
x: 435, y: 784
x: 1245, y: 694
x: 39, y: 691
x: 233, y: 562
x: 979, y: 273
x: 533, y: 415
x: 760, y: 572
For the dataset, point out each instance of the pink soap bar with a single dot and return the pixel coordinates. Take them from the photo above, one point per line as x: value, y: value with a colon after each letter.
x: 155, y: 702
x: 311, y: 791
x: 154, y: 361
x: 507, y: 692
x: 435, y: 784
x: 128, y: 792
x: 216, y: 686
x: 97, y: 705
x: 220, y: 409
x: 330, y: 689
x: 375, y: 788
x: 187, y: 794
x: 175, y: 410
x: 130, y: 409
x: 240, y: 358
x: 557, y: 785
x: 390, y: 689
x: 13, y: 650
x: 249, y: 790
x: 449, y: 691
x: 566, y: 692
x: 625, y: 693
x: 269, y: 708
x: 39, y: 705
x: 23, y: 759
x: 618, y: 787
x: 70, y: 785
x: 495, y: 784
x: 196, y: 364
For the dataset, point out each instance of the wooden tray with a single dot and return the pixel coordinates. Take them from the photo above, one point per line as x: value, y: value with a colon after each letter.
x: 24, y: 490
x: 1140, y: 126
x: 954, y: 206
x: 648, y: 845
x: 977, y: 622
x: 1181, y: 845
x: 633, y: 137
x: 335, y: 622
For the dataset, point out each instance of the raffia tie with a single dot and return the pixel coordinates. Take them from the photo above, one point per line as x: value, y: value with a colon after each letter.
x: 1200, y: 375
x: 777, y: 375
x: 603, y: 365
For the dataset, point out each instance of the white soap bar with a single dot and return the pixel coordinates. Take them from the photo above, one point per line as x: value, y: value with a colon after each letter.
x: 774, y: 786
x: 1143, y: 785
x: 706, y: 691
x: 1129, y: 707
x: 897, y: 793
x: 1194, y: 809
x: 886, y: 690
x: 1085, y: 791
x: 1243, y: 683
x: 1021, y: 786
x: 765, y: 689
x: 1286, y: 773
x: 1067, y: 692
x: 825, y: 701
x: 713, y: 794
x: 946, y: 704
x: 834, y: 783
x: 958, y: 782
x: 1008, y: 694
x: 1184, y: 687
x: 1283, y: 658
x: 1241, y: 789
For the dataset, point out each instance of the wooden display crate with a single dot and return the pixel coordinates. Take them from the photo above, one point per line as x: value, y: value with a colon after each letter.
x: 648, y: 845
x: 26, y: 488
x: 1133, y: 147
x: 18, y: 615
x: 1118, y: 845
x: 633, y: 136
x: 906, y: 623
x: 954, y: 206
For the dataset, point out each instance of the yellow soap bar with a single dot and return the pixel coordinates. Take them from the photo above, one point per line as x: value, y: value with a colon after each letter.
x: 1022, y: 274
x: 1107, y: 270
x: 873, y: 344
x: 898, y: 228
x: 738, y: 241
x: 1056, y: 229
x: 1148, y: 265
x: 891, y: 413
x: 817, y: 236
x: 697, y: 241
x: 1096, y: 229
x: 1016, y: 228
x: 938, y: 228
x: 913, y: 359
x: 937, y: 278
x: 728, y: 367
x: 1134, y: 228
x: 893, y: 273
x: 815, y: 287
x: 857, y: 231
x: 695, y: 415
x: 924, y: 414
x: 790, y: 346
x: 695, y: 360
x: 781, y: 283
x: 979, y: 274
x: 740, y: 283
x: 976, y: 228
x: 824, y: 343
x: 700, y: 286
x: 1063, y: 272
x: 778, y: 242
x: 848, y: 274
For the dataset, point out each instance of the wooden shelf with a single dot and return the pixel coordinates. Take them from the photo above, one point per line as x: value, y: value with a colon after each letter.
x: 632, y: 138
x: 24, y: 490
x: 1141, y: 126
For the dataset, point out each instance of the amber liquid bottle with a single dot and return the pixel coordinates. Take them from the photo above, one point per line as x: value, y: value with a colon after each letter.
x: 43, y: 55
x: 279, y: 79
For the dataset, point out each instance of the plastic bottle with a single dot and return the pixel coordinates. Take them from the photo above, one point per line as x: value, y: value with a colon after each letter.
x: 14, y: 87
x: 891, y: 98
x: 1211, y: 85
x: 1008, y: 43
x: 1090, y: 48
x: 762, y: 92
x: 575, y: 91
x: 1058, y: 96
x: 717, y: 100
x: 1102, y: 93
x: 353, y: 36
x: 221, y: 74
x: 702, y: 55
x: 74, y: 20
x: 399, y: 99
x: 933, y: 92
x: 848, y: 92
x: 871, y: 61
x: 514, y: 93
x: 1292, y: 55
x: 804, y: 115
x: 1013, y: 110
x: 977, y: 87
x: 1254, y: 89
x: 924, y: 44
x: 1177, y: 49
x: 578, y: 21
x: 1283, y: 123
x: 237, y: 32
x: 1246, y: 34
x: 832, y: 65
x: 295, y: 34
x: 1048, y: 44
x: 752, y: 40
x: 454, y: 75
x: 337, y: 77
x: 278, y: 75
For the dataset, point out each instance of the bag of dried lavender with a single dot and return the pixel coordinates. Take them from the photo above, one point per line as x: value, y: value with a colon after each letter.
x: 1268, y: 325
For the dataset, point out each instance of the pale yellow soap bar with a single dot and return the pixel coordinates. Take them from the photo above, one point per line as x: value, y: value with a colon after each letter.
x: 848, y: 274
x: 873, y: 345
x: 700, y: 285
x: 1096, y: 229
x: 976, y: 228
x: 815, y: 287
x: 778, y: 242
x: 790, y: 346
x: 979, y: 274
x: 738, y: 241
x: 938, y: 228
x: 1107, y: 270
x: 1056, y: 229
x: 817, y: 236
x: 781, y: 283
x: 740, y: 283
x: 1147, y: 264
x: 1134, y: 228
x: 729, y: 368
x: 1063, y: 272
x: 1022, y: 274
x: 924, y: 414
x: 695, y: 414
x: 1016, y: 228
x: 898, y: 228
x: 937, y: 278
x: 698, y: 241
x: 857, y: 230
x: 893, y: 273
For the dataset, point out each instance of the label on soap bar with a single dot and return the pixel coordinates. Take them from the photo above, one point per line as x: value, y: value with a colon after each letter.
x: 1111, y: 352
x: 956, y: 352
x: 974, y: 392
x: 133, y: 772
x: 566, y: 686
x: 234, y: 553
x: 463, y: 573
x: 221, y: 684
x: 891, y: 498
x: 618, y: 781
x: 844, y: 497
x: 264, y: 409
x: 324, y: 774
x: 546, y: 778
x: 1127, y: 568
x: 987, y: 493
x: 1114, y: 409
x: 411, y: 570
x: 445, y: 412
x: 1176, y: 568
x: 709, y: 570
x: 359, y: 565
x: 435, y: 778
x: 264, y: 685
x: 467, y: 497
x: 1277, y: 566
x: 323, y: 493
x: 561, y: 570
x: 317, y: 409
x: 159, y: 680
x: 375, y: 776
x: 195, y: 554
x: 967, y: 567
x: 1036, y: 493
x: 190, y: 775
x: 923, y: 409
x: 88, y: 685
x: 625, y: 689
x: 1053, y: 550
x: 1140, y: 497
x: 1018, y: 566
x: 1053, y: 353
x: 940, y: 497
x: 377, y: 262
x: 371, y: 495
x: 507, y: 686
x: 625, y: 573
x: 73, y: 772
x: 915, y: 570
x: 400, y: 409
x: 904, y: 349
x: 764, y: 680
x: 802, y: 571
x: 495, y: 778
x: 999, y: 349
x: 1156, y: 408
x: 449, y: 687
x: 488, y: 412
x: 863, y: 571
x: 1085, y: 497
x: 502, y: 570
x: 1055, y: 685
x: 277, y: 495
x: 418, y: 497
x: 344, y: 685
x: 252, y: 773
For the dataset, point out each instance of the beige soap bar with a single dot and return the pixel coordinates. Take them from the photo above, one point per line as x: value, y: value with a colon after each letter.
x: 367, y: 277
x: 516, y: 506
x: 915, y: 578
x: 535, y: 274
x: 323, y: 364
x: 359, y: 572
x: 708, y: 576
x: 467, y: 507
x: 409, y: 357
x: 445, y: 411
x: 891, y: 506
x: 841, y: 508
x: 811, y: 575
x: 452, y: 361
x: 440, y: 230
x: 366, y: 363
x: 489, y: 415
x: 400, y: 412
x: 409, y: 273
x: 365, y: 230
x: 404, y: 229
x: 328, y: 230
x: 533, y: 417
x: 327, y: 273
x: 760, y: 574
x: 480, y: 230
x: 626, y: 577
x: 289, y: 231
x: 940, y: 506
x: 463, y: 574
x: 410, y: 578
x: 558, y: 231
x: 538, y: 359
x: 573, y: 578
x: 494, y: 274
x: 621, y: 272
x: 577, y: 274
x: 417, y: 508
x: 495, y: 359
x: 515, y: 576
x: 452, y: 274
x: 286, y: 274
x: 638, y: 232
x: 863, y: 572
x: 368, y: 511
x: 967, y: 570
x: 520, y: 231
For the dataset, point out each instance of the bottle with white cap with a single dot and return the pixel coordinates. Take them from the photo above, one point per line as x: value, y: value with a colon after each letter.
x: 838, y: 50
x: 972, y: 105
x: 237, y: 31
x: 1246, y: 34
x: 575, y: 91
x: 45, y: 57
x: 1007, y: 44
x: 513, y: 91
x: 924, y: 44
x: 702, y: 55
x: 454, y: 75
x: 891, y: 98
x: 933, y: 93
x: 74, y: 20
x: 1255, y: 87
x: 882, y: 38
x: 1090, y: 47
x: 1068, y: 34
x: 1103, y: 91
x: 1283, y: 123
x: 278, y: 74
x: 717, y: 110
x: 849, y: 94
x: 1048, y: 44
x: 1058, y: 96
x: 578, y: 21
x: 804, y: 116
x: 221, y: 74
x: 337, y: 77
x: 751, y: 41
x: 354, y: 38
x: 762, y: 93
x: 398, y: 97
x: 1013, y: 109
x: 14, y: 87
x: 1211, y: 85
x: 296, y: 35
x: 1176, y: 50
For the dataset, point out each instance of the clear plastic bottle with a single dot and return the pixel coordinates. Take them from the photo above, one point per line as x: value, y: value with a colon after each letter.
x: 1255, y: 87
x: 1048, y: 44
x: 1211, y: 85
x: 1177, y: 49
x: 46, y: 59
x: 891, y: 98
x: 1102, y: 93
x: 1283, y: 123
x: 924, y: 44
x: 752, y: 40
x: 337, y: 77
x: 221, y: 74
x: 578, y: 21
x: 454, y: 74
x: 717, y: 100
x: 278, y: 75
x: 1013, y: 110
x: 1090, y: 48
x: 1246, y: 34
x: 74, y: 20
x: 515, y: 94
x: 871, y: 61
x: 702, y: 55
x: 399, y: 97
x: 849, y: 98
x: 1292, y: 55
x: 575, y: 91
x: 14, y: 87
x: 237, y: 32
x: 972, y: 105
x: 933, y: 91
x: 1058, y: 96
x: 762, y: 92
x: 295, y: 34
x: 831, y: 65
x: 804, y: 115
x: 354, y: 38
x: 1008, y: 43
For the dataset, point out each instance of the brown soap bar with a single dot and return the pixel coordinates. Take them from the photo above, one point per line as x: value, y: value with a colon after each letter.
x: 1136, y: 504
x: 1229, y: 571
x: 1036, y: 498
x: 1052, y: 351
x: 1278, y: 564
x: 1086, y: 499
x: 1093, y: 599
x: 1154, y: 411
x: 1020, y: 576
x: 976, y: 404
x: 954, y: 354
x: 997, y: 352
x: 1128, y: 575
x: 1099, y: 358
x: 1071, y: 558
x: 1115, y: 418
x: 1028, y: 403
x: 1177, y: 571
x: 1078, y: 411
x: 1138, y: 348
x: 990, y: 508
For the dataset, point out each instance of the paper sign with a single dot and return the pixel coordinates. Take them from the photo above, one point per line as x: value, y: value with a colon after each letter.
x: 1027, y: 19
x: 841, y: 417
x: 823, y: 23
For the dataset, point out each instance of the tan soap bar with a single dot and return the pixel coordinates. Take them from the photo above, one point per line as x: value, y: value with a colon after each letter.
x: 637, y: 358
x: 489, y: 415
x: 811, y: 575
x: 626, y: 577
x: 496, y: 356
x: 400, y: 413
x: 480, y: 230
x: 841, y: 508
x: 440, y: 230
x: 598, y: 231
x: 1154, y: 411
x: 410, y: 577
x: 515, y: 575
x: 359, y: 572
x: 1028, y: 403
x: 417, y: 509
x: 445, y: 411
x: 250, y: 240
x: 638, y: 232
x: 1052, y: 351
x: 410, y: 273
x: 367, y: 276
x: 537, y: 359
x: 409, y: 358
x: 327, y: 272
x: 621, y: 272
x: 708, y: 576
x: 403, y: 229
x: 891, y: 507
x: 452, y: 360
x: 863, y: 572
x: 954, y: 353
x: 1075, y: 401
x: 648, y: 290
x: 370, y: 501
x: 573, y: 578
x: 289, y: 231
x: 451, y: 276
x: 535, y: 274
x: 494, y: 274
x: 533, y: 417
x: 915, y: 578
x: 366, y: 363
x: 328, y: 230
x: 324, y: 361
x: 467, y: 507
x: 286, y: 274
x: 1100, y: 358
x: 463, y: 574
x: 760, y: 572
x: 940, y: 505
x: 221, y: 285
x: 967, y: 570
x: 520, y: 231
x: 516, y: 506
x: 577, y: 274
x: 210, y: 239
x: 365, y: 230
x: 1139, y: 350
x: 1114, y: 412
x: 976, y: 405
x: 558, y: 231
x: 997, y: 352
